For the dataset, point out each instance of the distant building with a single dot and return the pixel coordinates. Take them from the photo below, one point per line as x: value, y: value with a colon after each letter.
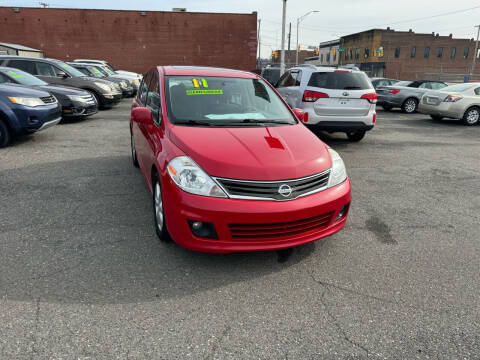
x: 406, y: 55
x: 20, y: 50
x: 290, y: 56
x: 328, y: 52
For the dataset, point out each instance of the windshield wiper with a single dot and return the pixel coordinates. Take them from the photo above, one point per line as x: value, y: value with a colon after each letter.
x: 194, y: 122
x: 260, y: 121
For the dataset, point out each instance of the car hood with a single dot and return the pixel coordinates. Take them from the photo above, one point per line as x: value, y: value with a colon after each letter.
x: 254, y: 153
x: 21, y: 90
x: 64, y: 90
x: 128, y: 73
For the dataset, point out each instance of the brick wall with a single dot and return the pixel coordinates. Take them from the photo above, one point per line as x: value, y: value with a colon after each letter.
x: 134, y: 42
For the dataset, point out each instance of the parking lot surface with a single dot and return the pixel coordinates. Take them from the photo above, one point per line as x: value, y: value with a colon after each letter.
x: 83, y: 276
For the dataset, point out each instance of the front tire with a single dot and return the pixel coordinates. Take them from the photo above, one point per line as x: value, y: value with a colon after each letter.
x: 410, y: 106
x: 4, y: 134
x: 356, y: 136
x: 158, y: 213
x: 471, y: 116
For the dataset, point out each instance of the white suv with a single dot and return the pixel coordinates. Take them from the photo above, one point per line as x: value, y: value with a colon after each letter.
x: 334, y: 100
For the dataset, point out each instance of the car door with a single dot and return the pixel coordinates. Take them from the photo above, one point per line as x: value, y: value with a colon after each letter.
x: 286, y: 85
x: 153, y: 132
x: 50, y: 73
x: 138, y: 130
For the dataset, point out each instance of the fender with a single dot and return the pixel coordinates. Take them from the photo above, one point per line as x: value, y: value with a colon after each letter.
x: 10, y: 118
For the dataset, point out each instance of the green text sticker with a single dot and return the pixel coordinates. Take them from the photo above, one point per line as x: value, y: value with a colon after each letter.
x: 204, y: 92
x: 96, y: 71
x: 14, y: 74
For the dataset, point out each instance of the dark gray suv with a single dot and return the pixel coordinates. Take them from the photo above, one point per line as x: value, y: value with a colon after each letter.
x: 58, y: 72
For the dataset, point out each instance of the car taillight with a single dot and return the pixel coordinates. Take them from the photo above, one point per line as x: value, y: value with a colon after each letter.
x: 453, y: 98
x: 374, y: 118
x: 372, y: 98
x: 305, y: 117
x: 342, y: 71
x: 394, y: 91
x: 312, y: 96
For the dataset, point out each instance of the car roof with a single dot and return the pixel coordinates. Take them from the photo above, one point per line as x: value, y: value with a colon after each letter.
x: 314, y: 68
x: 206, y: 71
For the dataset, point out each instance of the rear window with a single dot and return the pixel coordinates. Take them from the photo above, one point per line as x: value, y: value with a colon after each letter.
x: 340, y: 80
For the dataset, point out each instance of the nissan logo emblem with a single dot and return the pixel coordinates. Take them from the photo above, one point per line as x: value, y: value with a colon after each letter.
x: 285, y: 190
x: 345, y: 93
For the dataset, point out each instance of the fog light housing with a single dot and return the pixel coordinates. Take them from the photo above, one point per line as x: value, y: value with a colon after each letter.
x: 343, y: 212
x: 203, y: 229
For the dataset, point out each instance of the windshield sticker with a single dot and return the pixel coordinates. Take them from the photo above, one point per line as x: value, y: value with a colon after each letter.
x: 14, y: 74
x: 197, y: 83
x: 64, y: 66
x: 204, y: 92
x: 96, y: 71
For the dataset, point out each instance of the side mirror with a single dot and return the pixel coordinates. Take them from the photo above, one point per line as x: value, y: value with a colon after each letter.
x: 62, y: 74
x: 142, y: 115
x: 299, y: 113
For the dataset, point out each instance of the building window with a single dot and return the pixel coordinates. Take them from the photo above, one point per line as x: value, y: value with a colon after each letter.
x: 357, y: 53
x: 413, y: 51
x: 397, y: 51
x: 321, y: 58
x: 334, y: 55
x: 440, y: 52
x: 453, y: 52
x: 328, y: 57
x: 367, y: 52
x: 427, y: 52
x: 465, y: 53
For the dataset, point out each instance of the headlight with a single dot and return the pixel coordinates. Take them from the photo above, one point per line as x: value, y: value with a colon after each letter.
x: 191, y: 178
x: 103, y: 86
x: 135, y: 82
x: 27, y: 101
x: 78, y: 98
x: 338, y: 174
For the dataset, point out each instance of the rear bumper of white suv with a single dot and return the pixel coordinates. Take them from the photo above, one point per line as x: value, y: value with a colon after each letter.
x: 341, y: 123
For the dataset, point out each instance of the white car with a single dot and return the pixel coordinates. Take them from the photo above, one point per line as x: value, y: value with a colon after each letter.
x: 105, y: 63
x: 334, y: 99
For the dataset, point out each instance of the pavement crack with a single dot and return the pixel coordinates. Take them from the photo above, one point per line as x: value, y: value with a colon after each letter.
x: 35, y: 330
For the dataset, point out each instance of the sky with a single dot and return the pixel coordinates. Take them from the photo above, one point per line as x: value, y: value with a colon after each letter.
x: 333, y: 19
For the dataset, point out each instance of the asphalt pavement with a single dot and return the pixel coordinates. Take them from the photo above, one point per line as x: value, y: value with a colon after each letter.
x: 82, y: 275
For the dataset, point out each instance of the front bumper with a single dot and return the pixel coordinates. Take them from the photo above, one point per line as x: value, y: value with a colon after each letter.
x: 50, y: 123
x: 444, y: 109
x: 77, y: 109
x: 180, y: 206
x: 110, y: 99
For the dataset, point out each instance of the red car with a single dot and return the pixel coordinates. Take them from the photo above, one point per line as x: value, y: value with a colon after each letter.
x: 230, y: 165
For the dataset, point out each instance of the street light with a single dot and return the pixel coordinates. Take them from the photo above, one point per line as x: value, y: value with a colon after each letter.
x: 298, y: 25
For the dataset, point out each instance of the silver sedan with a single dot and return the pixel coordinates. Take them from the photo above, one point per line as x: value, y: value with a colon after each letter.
x: 461, y: 101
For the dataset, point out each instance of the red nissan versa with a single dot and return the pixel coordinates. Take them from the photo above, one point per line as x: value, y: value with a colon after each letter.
x: 230, y: 166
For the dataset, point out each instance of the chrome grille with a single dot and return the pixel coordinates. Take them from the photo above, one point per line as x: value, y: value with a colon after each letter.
x: 275, y: 190
x: 49, y: 99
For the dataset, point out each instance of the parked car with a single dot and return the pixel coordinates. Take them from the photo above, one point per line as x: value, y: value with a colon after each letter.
x: 271, y: 74
x: 381, y: 82
x: 57, y: 72
x: 74, y: 102
x: 230, y: 166
x: 94, y: 71
x: 461, y: 101
x: 135, y: 78
x: 405, y: 94
x: 334, y: 100
x: 24, y: 110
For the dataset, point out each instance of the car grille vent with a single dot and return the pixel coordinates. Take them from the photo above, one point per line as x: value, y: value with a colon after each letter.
x: 275, y: 190
x: 48, y: 99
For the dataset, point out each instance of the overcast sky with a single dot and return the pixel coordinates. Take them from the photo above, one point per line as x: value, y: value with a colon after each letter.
x: 334, y: 19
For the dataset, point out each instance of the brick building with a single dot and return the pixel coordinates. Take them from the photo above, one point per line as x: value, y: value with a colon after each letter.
x: 406, y: 55
x: 290, y: 56
x: 135, y: 40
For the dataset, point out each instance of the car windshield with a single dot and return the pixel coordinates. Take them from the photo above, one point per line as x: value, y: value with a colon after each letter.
x: 107, y: 70
x: 223, y: 101
x: 459, y: 87
x: 97, y: 71
x: 70, y: 69
x: 403, y: 83
x: 23, y: 78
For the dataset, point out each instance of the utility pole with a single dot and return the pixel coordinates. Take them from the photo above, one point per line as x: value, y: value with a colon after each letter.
x: 259, y: 44
x: 298, y: 25
x: 475, y: 53
x: 282, y: 56
x: 289, y: 38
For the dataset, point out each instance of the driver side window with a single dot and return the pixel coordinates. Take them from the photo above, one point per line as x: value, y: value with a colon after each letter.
x: 153, y: 99
x: 144, y: 88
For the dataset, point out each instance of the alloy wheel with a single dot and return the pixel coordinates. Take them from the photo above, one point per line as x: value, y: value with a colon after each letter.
x: 473, y: 116
x: 158, y: 206
x: 410, y: 106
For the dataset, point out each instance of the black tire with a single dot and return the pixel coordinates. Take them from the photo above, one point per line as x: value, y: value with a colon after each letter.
x: 160, y: 228
x: 97, y: 99
x: 387, y: 108
x: 410, y: 106
x: 4, y: 134
x: 133, y: 151
x: 355, y: 135
x: 471, y: 116
x: 436, y: 117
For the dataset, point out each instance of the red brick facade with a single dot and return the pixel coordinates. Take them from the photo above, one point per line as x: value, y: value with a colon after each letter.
x: 135, y: 40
